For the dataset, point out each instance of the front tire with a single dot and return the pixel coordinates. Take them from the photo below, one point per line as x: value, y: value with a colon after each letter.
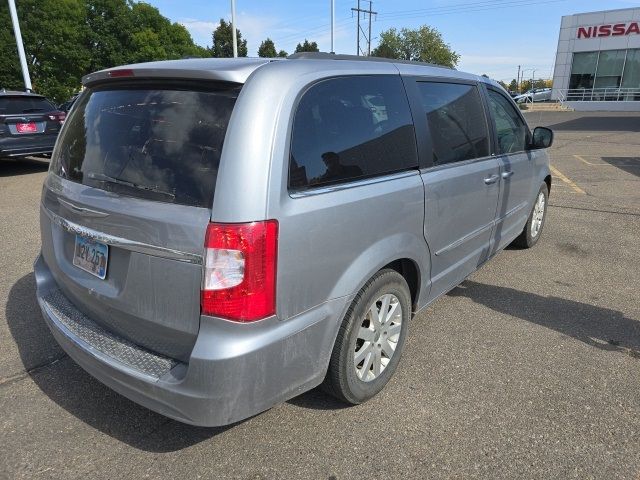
x: 535, y: 223
x: 370, y: 340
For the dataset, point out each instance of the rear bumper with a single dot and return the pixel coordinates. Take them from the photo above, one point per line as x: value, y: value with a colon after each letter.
x: 27, y: 145
x: 235, y: 370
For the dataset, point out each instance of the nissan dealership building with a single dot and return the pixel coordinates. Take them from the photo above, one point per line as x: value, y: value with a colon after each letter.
x: 598, y: 61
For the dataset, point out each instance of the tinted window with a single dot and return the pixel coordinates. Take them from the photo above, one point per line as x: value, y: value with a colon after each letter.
x: 24, y: 104
x: 160, y: 144
x: 511, y: 130
x: 456, y: 121
x: 350, y: 128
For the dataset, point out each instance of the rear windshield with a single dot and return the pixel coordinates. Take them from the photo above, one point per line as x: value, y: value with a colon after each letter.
x: 161, y: 144
x: 24, y: 104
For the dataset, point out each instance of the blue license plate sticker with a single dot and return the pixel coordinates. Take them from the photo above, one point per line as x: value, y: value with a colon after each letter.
x: 91, y: 256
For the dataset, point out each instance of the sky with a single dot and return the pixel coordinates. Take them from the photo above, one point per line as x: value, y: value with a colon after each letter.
x: 492, y: 37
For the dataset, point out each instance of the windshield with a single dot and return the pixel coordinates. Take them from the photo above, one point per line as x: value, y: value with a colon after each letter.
x: 161, y: 144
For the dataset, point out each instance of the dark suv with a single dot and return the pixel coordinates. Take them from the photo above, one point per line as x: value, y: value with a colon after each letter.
x: 29, y: 124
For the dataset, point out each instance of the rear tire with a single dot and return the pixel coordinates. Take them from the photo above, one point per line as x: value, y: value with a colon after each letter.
x: 370, y: 340
x: 535, y: 223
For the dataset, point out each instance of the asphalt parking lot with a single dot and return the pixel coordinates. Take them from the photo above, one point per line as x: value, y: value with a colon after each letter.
x: 529, y: 369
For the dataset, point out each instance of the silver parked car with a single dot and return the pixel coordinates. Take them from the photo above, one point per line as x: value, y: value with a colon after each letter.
x: 220, y: 235
x: 534, y: 95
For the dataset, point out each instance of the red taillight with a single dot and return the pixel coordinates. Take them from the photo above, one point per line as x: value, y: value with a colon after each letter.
x: 122, y: 72
x: 58, y: 117
x: 239, y: 281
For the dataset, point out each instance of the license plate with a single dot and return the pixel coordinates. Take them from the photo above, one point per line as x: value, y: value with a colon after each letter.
x: 26, y: 127
x: 91, y: 256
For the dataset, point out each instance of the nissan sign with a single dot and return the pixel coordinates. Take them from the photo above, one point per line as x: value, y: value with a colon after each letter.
x: 609, y: 30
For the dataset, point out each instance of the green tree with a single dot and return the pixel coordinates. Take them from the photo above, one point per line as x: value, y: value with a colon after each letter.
x: 283, y: 54
x: 54, y: 35
x: 267, y: 49
x: 156, y: 38
x: 223, y: 41
x: 307, y: 46
x: 66, y: 39
x: 109, y: 33
x: 513, y: 85
x: 424, y: 44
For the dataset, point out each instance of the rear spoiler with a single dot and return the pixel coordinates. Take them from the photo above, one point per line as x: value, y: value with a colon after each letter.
x: 235, y: 70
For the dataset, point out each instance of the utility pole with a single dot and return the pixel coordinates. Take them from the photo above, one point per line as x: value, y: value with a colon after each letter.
x: 18, y: 35
x: 233, y: 28
x: 518, y: 80
x: 367, y: 37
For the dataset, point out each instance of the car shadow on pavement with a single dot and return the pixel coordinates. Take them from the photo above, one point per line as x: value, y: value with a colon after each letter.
x: 599, y: 124
x: 316, y: 399
x: 598, y: 327
x: 70, y: 387
x: 627, y: 164
x: 23, y: 166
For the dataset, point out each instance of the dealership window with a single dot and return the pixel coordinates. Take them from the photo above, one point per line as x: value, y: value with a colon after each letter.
x: 583, y: 70
x: 605, y: 75
x: 631, y: 75
x: 609, y: 71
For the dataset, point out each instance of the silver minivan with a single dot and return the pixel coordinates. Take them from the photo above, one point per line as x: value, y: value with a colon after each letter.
x: 220, y: 235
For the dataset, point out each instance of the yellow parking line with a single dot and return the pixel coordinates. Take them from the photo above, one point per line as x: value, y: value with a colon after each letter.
x: 579, y: 157
x: 564, y: 178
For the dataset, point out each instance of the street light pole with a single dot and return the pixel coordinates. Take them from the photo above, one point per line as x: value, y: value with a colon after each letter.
x: 233, y: 28
x: 533, y: 74
x: 18, y: 35
x: 533, y: 77
x: 333, y: 22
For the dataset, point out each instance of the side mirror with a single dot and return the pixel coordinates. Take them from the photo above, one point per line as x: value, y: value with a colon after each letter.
x: 542, y: 138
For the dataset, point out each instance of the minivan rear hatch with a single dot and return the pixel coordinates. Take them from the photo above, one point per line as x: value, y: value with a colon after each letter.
x: 127, y: 202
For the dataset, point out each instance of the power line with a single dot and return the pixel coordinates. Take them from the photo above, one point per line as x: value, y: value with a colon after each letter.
x: 464, y: 8
x: 313, y: 31
x: 468, y: 7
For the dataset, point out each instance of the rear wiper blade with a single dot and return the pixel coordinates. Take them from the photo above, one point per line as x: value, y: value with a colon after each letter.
x: 101, y: 177
x: 29, y: 110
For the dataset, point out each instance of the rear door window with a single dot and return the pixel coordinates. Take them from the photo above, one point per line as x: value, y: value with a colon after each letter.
x: 160, y: 143
x: 349, y: 128
x: 456, y: 120
x: 24, y: 104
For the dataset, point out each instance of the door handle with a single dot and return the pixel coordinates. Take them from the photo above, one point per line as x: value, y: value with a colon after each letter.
x: 491, y: 179
x: 507, y: 174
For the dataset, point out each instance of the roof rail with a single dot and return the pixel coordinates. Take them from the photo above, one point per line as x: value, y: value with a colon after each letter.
x: 334, y: 56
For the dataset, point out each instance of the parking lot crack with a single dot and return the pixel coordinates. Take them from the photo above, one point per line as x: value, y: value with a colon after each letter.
x: 26, y: 373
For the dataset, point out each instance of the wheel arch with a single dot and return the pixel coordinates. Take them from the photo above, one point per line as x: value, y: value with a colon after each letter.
x: 410, y: 271
x: 405, y: 253
x: 547, y: 180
